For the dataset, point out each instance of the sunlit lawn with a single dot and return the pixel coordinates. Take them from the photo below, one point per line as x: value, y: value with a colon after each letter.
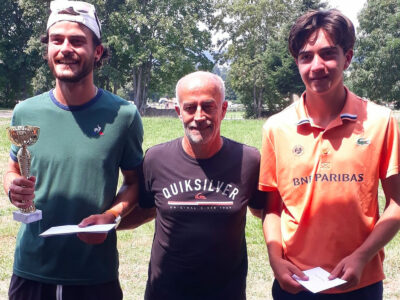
x: 134, y: 246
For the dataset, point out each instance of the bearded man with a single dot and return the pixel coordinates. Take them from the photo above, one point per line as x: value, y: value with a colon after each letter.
x: 87, y: 136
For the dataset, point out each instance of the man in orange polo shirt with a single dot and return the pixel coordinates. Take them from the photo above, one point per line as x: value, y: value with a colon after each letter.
x: 322, y: 159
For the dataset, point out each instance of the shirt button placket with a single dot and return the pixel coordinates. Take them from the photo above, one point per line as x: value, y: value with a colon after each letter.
x: 325, y: 157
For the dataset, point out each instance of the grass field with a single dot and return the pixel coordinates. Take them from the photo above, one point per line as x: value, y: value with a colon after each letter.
x: 134, y: 245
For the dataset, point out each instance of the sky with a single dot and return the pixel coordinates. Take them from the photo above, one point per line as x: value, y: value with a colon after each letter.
x: 350, y: 8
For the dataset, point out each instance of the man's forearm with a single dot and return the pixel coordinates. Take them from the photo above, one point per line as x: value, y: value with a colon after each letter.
x: 127, y: 196
x: 138, y: 216
x: 126, y: 204
x: 272, y: 217
x: 385, y: 229
x: 273, y: 236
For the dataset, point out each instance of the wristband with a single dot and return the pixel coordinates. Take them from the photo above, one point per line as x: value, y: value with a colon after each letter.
x: 112, y: 211
x: 9, y: 195
x: 116, y: 215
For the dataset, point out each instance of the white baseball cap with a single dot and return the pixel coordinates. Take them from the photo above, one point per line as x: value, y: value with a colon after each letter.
x: 74, y: 11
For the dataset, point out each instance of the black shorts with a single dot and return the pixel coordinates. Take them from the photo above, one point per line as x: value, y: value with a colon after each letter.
x: 24, y: 289
x: 370, y: 292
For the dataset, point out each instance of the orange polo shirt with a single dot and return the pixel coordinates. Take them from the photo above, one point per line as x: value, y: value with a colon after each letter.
x: 328, y: 180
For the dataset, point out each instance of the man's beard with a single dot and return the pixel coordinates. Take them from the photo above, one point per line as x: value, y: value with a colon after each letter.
x: 200, y: 138
x: 85, y: 70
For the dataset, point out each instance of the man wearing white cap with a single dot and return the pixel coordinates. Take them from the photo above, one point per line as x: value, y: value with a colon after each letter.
x: 87, y: 136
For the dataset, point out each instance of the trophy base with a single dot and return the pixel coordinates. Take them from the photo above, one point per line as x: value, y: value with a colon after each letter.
x: 27, y: 218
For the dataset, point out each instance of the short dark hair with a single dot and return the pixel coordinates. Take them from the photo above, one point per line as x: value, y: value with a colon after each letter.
x: 339, y: 28
x: 96, y: 42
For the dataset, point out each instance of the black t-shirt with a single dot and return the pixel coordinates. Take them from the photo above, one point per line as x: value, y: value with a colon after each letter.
x: 199, y: 247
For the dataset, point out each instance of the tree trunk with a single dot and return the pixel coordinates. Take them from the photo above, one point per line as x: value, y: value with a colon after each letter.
x: 141, y: 79
x: 254, y: 100
x: 257, y: 101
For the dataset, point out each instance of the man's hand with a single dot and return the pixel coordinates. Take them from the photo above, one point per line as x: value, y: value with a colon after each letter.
x: 283, y: 271
x: 22, y: 191
x: 95, y: 238
x: 350, y: 269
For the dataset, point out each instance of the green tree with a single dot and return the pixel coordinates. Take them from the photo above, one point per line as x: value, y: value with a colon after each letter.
x: 36, y: 19
x: 110, y: 76
x: 375, y: 71
x: 262, y: 72
x: 222, y: 71
x: 158, y: 41
x: 17, y: 65
x: 153, y: 43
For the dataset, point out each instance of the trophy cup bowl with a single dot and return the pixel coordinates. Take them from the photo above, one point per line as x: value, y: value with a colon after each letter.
x: 24, y: 136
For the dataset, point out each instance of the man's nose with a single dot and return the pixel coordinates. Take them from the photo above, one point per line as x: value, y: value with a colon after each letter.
x: 66, y: 46
x: 199, y: 114
x: 317, y: 63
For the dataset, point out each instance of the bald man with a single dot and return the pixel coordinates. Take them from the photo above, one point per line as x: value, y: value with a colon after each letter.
x: 200, y: 185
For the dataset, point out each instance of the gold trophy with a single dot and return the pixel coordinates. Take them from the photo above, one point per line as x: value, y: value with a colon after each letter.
x: 24, y: 136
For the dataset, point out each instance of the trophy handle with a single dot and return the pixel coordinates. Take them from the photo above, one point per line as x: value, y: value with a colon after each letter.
x: 24, y: 161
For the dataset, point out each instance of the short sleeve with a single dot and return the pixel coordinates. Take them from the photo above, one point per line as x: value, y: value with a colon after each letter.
x: 146, y: 196
x: 258, y: 200
x: 389, y: 163
x: 267, y: 180
x: 133, y: 154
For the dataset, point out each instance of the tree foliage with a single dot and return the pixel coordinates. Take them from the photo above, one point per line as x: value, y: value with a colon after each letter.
x: 153, y: 43
x: 375, y: 71
x: 223, y: 71
x: 16, y: 65
x: 263, y: 74
x: 158, y: 41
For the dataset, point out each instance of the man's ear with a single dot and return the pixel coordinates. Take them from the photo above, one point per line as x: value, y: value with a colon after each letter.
x: 348, y: 55
x: 178, y: 111
x: 98, y: 52
x: 224, y: 108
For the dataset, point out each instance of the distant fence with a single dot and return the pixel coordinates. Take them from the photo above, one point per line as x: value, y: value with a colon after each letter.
x: 160, y: 112
x: 234, y: 115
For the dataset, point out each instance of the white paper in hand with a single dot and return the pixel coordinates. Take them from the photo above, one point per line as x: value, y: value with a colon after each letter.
x: 72, y: 229
x: 318, y: 280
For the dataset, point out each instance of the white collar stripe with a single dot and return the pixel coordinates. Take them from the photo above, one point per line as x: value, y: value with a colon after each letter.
x: 348, y: 116
x: 304, y: 121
